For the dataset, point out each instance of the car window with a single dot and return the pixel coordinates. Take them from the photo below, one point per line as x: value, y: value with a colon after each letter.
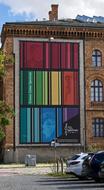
x: 99, y: 157
x: 84, y: 157
x: 75, y: 157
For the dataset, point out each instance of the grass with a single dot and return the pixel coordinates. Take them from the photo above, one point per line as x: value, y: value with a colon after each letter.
x: 63, y: 175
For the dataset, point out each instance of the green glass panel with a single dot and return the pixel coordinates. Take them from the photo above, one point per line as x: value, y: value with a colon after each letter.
x: 28, y: 125
x: 39, y: 88
x: 36, y: 125
x: 30, y: 87
x: 23, y: 125
x: 46, y: 88
x: 21, y: 87
x: 34, y: 88
x: 25, y: 87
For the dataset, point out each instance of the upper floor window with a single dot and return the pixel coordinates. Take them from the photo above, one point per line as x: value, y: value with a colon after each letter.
x: 98, y: 127
x: 96, y: 91
x: 96, y: 58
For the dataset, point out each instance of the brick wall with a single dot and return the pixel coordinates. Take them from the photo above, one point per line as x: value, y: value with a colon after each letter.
x: 53, y: 14
x: 91, y: 73
x: 8, y: 90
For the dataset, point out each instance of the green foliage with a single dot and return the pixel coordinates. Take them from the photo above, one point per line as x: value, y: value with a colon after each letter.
x: 95, y: 147
x: 6, y: 112
x: 3, y: 60
x: 2, y: 68
x: 2, y: 135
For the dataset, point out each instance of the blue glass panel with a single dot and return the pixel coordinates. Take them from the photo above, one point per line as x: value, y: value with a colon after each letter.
x: 23, y: 125
x: 59, y: 122
x: 28, y: 125
x: 48, y: 124
x: 36, y: 125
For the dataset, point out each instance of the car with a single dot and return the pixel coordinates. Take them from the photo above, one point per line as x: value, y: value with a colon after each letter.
x: 74, y: 165
x: 101, y: 172
x: 86, y: 165
x: 94, y: 166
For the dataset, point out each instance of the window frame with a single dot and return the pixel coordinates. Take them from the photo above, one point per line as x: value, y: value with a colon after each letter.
x: 96, y: 58
x: 96, y: 90
x: 98, y: 127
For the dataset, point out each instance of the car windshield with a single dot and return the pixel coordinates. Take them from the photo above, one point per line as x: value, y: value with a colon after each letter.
x: 99, y: 157
x: 75, y: 157
x: 84, y: 158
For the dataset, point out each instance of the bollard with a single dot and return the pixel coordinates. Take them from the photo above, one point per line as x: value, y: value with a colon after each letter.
x: 61, y: 161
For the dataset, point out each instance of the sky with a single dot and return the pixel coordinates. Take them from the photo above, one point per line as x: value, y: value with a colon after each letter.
x: 29, y: 10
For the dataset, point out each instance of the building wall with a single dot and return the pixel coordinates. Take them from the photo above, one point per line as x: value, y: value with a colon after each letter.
x: 93, y: 109
x: 8, y: 90
x: 20, y: 151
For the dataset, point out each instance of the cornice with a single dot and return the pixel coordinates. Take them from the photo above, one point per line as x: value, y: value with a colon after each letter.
x: 48, y: 31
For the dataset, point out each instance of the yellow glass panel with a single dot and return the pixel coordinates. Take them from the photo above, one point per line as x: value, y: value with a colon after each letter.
x: 59, y: 88
x: 54, y: 82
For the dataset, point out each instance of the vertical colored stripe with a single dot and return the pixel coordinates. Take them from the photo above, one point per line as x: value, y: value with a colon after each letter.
x: 55, y: 55
x: 30, y: 87
x: 23, y: 125
x: 48, y: 124
x: 76, y: 88
x: 47, y: 55
x: 50, y: 88
x: 21, y: 54
x: 68, y: 88
x: 21, y: 87
x: 63, y: 55
x: 43, y: 88
x: 72, y: 55
x: 68, y: 56
x: 64, y: 114
x: 54, y: 80
x: 28, y: 125
x: 59, y: 88
x: 25, y: 54
x: 25, y: 87
x: 39, y: 88
x: 36, y: 125
x: 46, y: 88
x: 59, y: 122
x: 34, y: 88
x: 76, y: 56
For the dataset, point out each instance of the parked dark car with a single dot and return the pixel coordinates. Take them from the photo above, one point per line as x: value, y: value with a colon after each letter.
x: 101, y: 172
x: 86, y: 169
x: 92, y: 166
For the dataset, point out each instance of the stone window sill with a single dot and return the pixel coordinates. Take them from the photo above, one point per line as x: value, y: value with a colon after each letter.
x: 97, y: 104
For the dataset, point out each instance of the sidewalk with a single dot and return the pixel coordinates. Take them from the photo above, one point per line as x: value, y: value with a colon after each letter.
x: 21, y: 169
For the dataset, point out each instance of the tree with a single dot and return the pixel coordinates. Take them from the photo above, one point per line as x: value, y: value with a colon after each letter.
x: 2, y: 59
x: 6, y: 112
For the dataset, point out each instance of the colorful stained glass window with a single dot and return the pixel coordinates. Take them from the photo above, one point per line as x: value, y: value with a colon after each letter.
x: 49, y: 91
x: 42, y: 125
x: 46, y: 55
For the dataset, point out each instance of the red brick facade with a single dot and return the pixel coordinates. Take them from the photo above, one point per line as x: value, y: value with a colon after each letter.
x: 92, y: 37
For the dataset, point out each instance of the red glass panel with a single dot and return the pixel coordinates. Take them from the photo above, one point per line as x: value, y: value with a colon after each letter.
x: 21, y: 56
x: 68, y: 56
x: 76, y: 56
x: 63, y: 55
x: 76, y: 88
x: 35, y: 55
x: 70, y: 88
x: 47, y: 56
x: 24, y: 55
x: 55, y: 55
